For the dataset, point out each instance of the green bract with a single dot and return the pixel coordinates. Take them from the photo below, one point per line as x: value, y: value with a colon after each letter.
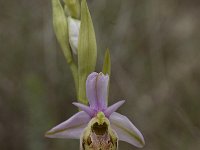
x: 61, y: 28
x: 107, y: 63
x: 87, y: 50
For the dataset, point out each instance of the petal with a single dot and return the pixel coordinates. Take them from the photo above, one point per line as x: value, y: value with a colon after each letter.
x: 113, y: 108
x: 125, y: 130
x: 71, y: 128
x: 91, y: 90
x: 97, y: 90
x: 84, y: 108
x: 102, y: 90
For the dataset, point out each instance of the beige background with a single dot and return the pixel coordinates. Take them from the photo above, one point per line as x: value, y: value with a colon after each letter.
x: 155, y: 49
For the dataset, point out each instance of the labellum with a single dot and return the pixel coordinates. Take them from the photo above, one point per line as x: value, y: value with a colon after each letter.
x: 98, y: 135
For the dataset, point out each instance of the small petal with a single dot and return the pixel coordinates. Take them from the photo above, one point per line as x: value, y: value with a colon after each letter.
x: 85, y: 108
x: 125, y: 130
x: 102, y: 90
x: 91, y: 90
x: 71, y: 128
x: 113, y: 108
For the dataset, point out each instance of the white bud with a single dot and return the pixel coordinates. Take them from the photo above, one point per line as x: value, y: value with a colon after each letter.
x: 74, y: 27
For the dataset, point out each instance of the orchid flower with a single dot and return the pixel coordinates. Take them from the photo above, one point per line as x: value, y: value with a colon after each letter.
x: 97, y: 125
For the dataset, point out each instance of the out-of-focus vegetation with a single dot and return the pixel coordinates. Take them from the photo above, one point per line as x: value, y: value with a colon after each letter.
x: 155, y: 50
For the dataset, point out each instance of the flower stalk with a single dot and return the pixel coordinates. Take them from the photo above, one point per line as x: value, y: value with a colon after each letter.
x: 61, y: 30
x: 77, y: 39
x: 96, y: 125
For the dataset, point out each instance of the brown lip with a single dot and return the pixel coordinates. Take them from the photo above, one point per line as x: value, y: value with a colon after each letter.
x: 99, y: 129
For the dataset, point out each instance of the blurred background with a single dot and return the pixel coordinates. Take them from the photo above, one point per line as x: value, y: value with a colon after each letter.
x: 155, y: 50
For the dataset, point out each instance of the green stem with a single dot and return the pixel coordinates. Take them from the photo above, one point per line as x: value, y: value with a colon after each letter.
x: 74, y: 70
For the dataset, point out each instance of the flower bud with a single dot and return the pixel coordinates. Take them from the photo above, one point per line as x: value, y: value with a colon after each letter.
x: 73, y: 8
x: 73, y: 27
x: 61, y: 29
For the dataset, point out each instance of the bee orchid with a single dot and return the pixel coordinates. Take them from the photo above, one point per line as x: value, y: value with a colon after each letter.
x: 97, y: 125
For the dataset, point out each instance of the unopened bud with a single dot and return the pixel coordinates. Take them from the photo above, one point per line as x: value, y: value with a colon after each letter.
x: 73, y: 27
x: 73, y: 8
